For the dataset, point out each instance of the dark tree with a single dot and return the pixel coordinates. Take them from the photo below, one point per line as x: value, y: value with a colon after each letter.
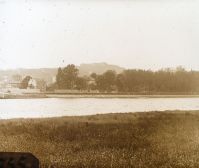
x: 66, y: 77
x: 60, y: 79
x: 106, y: 81
x: 93, y: 75
x: 25, y: 81
x: 120, y: 83
x: 81, y: 83
x: 70, y: 74
x: 132, y: 81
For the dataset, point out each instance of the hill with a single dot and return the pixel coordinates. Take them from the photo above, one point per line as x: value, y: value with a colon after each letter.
x: 98, y: 68
x: 49, y: 73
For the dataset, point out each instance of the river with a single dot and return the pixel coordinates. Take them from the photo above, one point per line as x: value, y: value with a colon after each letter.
x: 55, y: 107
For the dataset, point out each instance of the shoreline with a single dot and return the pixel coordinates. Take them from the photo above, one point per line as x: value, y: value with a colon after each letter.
x: 43, y: 95
x: 103, y: 115
x: 117, y: 96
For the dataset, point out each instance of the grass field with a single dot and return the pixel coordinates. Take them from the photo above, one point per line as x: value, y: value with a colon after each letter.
x: 136, y: 140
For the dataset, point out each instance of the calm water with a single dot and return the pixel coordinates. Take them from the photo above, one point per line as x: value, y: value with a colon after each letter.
x: 51, y: 107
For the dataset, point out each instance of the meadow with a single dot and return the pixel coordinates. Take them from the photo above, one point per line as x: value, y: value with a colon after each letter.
x: 130, y: 140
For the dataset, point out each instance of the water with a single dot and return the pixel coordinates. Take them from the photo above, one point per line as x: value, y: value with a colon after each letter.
x: 54, y: 107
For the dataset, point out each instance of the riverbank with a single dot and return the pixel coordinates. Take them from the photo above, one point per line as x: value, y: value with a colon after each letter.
x: 23, y: 96
x: 153, y: 139
x: 117, y: 96
x: 97, y: 95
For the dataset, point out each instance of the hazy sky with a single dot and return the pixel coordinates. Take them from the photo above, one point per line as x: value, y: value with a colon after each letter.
x: 148, y: 34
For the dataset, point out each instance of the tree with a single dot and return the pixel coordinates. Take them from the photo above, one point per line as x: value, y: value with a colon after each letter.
x: 66, y: 77
x: 106, y: 81
x: 81, y: 83
x: 70, y: 74
x: 131, y: 80
x: 120, y: 82
x: 93, y: 75
x: 25, y: 81
x: 60, y: 79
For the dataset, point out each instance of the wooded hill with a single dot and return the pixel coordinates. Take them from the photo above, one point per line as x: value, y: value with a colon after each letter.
x: 48, y: 73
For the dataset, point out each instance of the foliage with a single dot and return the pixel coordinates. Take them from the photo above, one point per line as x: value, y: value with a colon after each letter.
x: 149, y: 81
x: 66, y: 77
x: 81, y: 83
x: 131, y: 81
x: 106, y: 81
x: 93, y: 75
x: 25, y: 81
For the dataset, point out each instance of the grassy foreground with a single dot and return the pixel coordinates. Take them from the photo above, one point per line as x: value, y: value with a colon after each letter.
x: 136, y: 140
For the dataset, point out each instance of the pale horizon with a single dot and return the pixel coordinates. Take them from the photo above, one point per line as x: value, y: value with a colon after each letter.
x: 131, y: 34
x: 64, y: 65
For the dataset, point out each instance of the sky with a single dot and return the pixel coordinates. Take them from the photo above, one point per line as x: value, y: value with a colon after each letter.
x: 146, y: 34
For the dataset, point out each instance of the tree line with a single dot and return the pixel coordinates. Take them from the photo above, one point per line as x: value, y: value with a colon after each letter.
x: 131, y: 80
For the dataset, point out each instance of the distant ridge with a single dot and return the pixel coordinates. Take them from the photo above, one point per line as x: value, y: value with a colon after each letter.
x: 48, y: 73
x: 98, y: 68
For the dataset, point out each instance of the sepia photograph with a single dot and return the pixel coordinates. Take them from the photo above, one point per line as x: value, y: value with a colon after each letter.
x: 99, y: 83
